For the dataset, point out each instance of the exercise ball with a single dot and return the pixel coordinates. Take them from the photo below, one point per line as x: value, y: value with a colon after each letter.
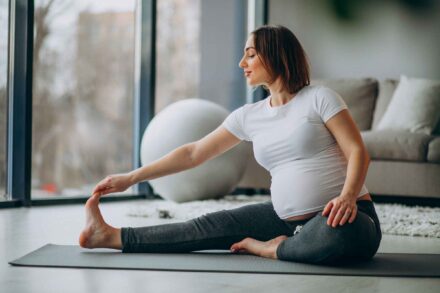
x: 184, y: 122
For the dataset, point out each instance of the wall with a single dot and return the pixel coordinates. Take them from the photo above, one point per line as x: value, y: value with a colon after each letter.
x: 222, y: 39
x: 384, y: 40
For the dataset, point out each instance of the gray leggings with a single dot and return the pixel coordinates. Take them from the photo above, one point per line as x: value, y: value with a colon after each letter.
x: 310, y: 241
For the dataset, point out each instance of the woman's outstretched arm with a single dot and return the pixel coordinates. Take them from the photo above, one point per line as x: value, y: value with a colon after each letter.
x: 182, y: 158
x: 177, y: 160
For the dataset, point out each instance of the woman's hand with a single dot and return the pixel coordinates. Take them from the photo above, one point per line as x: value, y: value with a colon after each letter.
x: 341, y: 209
x: 113, y: 183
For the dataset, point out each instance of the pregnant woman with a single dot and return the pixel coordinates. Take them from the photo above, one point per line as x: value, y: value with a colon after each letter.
x: 320, y: 210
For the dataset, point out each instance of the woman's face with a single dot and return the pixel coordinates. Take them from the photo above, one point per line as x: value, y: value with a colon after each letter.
x: 253, y: 68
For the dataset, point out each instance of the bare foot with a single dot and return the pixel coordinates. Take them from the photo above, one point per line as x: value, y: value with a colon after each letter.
x: 97, y: 233
x: 266, y: 249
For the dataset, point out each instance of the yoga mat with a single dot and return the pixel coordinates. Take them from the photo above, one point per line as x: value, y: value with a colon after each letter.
x: 72, y: 256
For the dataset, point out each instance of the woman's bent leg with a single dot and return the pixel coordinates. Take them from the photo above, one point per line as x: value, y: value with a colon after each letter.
x: 320, y: 243
x: 218, y: 230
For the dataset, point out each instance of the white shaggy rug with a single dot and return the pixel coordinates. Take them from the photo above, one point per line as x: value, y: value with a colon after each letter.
x: 395, y: 219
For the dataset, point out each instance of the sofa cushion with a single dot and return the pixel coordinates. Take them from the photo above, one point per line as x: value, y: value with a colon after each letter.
x: 386, y: 91
x: 399, y: 145
x: 359, y: 94
x: 434, y: 150
x: 415, y: 106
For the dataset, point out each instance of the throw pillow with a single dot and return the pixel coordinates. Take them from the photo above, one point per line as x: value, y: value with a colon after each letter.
x: 415, y: 106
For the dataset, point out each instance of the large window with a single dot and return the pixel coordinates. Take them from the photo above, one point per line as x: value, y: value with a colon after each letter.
x: 178, y: 51
x: 83, y: 71
x: 4, y: 25
x: 199, y: 44
x: 83, y: 87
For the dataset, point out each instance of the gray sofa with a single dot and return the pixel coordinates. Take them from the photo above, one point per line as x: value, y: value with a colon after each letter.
x: 403, y: 163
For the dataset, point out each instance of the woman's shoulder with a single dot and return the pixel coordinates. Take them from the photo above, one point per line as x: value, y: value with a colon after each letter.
x: 313, y: 89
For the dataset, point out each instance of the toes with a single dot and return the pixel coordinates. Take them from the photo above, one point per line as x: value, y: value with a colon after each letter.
x: 239, y: 245
x: 253, y: 246
x: 235, y: 247
x: 92, y: 201
x: 281, y: 238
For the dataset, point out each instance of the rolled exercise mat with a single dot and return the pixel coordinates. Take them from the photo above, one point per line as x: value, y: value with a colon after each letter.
x: 73, y: 256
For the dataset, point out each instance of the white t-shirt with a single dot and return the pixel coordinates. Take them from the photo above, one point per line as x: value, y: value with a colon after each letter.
x: 306, y: 164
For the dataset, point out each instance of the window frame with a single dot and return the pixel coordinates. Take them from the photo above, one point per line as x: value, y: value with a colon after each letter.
x: 19, y: 95
x: 258, y: 15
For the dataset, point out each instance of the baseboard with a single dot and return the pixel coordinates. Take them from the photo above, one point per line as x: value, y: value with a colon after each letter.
x: 406, y: 200
x: 250, y: 191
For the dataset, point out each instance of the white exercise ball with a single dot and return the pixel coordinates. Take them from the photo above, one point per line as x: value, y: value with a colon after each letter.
x: 188, y: 121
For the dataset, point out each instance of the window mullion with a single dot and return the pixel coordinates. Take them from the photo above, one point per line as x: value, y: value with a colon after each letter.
x: 145, y: 68
x: 20, y: 101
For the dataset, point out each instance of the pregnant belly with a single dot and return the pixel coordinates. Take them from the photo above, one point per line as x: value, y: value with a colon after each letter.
x: 300, y: 190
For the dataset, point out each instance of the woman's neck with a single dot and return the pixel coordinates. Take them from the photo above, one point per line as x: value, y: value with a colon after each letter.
x: 278, y: 95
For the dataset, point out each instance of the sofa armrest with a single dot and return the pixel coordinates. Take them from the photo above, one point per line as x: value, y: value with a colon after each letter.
x: 434, y: 150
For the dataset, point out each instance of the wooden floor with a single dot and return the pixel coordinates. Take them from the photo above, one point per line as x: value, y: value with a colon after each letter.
x: 26, y: 229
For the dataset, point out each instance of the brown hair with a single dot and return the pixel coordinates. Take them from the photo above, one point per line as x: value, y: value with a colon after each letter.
x: 282, y: 55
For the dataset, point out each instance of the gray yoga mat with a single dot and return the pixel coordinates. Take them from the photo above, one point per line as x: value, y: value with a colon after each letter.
x: 72, y: 256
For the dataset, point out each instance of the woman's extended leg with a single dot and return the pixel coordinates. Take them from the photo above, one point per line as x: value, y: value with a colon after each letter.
x: 218, y: 230
x: 320, y: 243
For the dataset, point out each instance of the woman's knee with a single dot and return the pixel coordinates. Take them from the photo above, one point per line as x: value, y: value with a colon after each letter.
x: 314, y: 243
x: 356, y: 240
x: 318, y: 242
x: 369, y: 236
